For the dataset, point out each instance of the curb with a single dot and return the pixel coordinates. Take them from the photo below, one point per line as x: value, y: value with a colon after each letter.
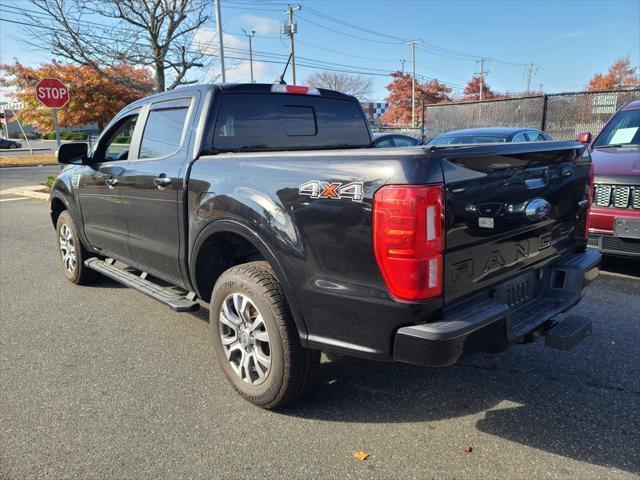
x: 29, y: 192
x: 37, y: 149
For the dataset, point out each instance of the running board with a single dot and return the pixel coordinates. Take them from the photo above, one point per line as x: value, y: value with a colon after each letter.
x: 173, y: 297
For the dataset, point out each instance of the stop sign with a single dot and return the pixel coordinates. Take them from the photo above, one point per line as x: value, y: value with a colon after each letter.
x: 52, y: 93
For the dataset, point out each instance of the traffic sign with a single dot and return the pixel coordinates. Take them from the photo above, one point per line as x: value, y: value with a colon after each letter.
x: 52, y: 93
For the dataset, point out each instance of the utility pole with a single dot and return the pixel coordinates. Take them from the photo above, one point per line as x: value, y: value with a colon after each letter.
x: 250, y: 37
x: 220, y: 41
x: 529, y: 75
x: 413, y: 80
x: 482, y: 74
x: 290, y: 28
x: 402, y: 62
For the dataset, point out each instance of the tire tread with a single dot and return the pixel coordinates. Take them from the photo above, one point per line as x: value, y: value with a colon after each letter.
x: 300, y: 364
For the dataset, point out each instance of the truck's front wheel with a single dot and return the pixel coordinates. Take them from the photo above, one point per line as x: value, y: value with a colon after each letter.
x: 255, y: 338
x: 72, y: 252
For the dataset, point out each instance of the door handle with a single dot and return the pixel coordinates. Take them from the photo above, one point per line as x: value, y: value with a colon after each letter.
x: 162, y: 181
x: 111, y: 182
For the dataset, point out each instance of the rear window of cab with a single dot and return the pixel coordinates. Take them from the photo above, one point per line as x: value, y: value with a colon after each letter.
x: 268, y: 121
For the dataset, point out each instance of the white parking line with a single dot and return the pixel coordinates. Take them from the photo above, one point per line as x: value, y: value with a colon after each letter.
x: 12, y: 199
x: 621, y: 275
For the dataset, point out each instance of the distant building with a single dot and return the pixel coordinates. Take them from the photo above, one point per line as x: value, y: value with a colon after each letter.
x: 11, y: 128
x: 373, y: 111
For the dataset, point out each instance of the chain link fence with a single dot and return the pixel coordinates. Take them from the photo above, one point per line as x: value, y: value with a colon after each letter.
x: 563, y: 115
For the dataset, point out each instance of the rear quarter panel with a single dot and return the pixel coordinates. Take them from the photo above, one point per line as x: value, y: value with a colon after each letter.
x: 323, y: 246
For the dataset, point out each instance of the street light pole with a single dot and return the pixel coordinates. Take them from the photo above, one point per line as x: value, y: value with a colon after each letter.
x: 250, y: 37
x: 220, y: 40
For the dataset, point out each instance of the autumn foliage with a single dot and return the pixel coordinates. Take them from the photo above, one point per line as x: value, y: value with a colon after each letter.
x: 619, y: 76
x: 399, y: 99
x: 472, y: 90
x: 94, y: 97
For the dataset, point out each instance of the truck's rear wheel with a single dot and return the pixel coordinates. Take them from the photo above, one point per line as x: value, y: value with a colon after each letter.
x: 255, y: 338
x: 72, y: 252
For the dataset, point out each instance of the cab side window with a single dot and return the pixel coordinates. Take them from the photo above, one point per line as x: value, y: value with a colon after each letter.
x: 116, y: 145
x: 163, y: 131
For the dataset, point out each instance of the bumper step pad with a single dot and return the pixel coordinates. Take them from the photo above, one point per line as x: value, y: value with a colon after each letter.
x: 173, y: 297
x: 568, y: 333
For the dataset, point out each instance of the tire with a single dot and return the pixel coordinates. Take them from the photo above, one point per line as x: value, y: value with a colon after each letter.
x: 13, y: 145
x: 72, y: 252
x: 250, y: 323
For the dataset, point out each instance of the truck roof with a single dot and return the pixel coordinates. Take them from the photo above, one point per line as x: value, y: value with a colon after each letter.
x: 234, y: 88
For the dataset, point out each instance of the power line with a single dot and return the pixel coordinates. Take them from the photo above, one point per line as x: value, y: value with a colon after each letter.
x: 329, y: 67
x: 356, y: 27
x: 266, y: 57
x: 377, y: 60
x: 311, y: 63
x: 346, y: 34
x: 426, y: 47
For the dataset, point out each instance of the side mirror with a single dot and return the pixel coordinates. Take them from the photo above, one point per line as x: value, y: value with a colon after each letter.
x: 585, y: 137
x: 72, y: 152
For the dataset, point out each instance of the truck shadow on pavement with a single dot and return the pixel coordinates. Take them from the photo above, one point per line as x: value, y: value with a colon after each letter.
x: 522, y: 398
x: 621, y: 265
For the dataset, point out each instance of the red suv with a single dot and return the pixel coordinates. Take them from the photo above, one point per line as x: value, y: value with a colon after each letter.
x: 614, y: 224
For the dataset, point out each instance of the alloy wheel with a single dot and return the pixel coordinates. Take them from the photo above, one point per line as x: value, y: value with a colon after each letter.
x: 245, y: 339
x: 67, y: 248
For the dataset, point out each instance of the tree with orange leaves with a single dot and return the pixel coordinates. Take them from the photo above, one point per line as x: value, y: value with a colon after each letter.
x: 399, y: 99
x: 94, y: 98
x: 620, y: 75
x: 472, y: 90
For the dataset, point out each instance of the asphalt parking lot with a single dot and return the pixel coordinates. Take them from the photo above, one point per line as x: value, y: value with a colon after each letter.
x: 11, y: 177
x: 103, y: 382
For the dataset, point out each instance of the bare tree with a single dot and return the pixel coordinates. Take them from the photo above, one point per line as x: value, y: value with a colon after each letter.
x: 107, y: 33
x: 356, y: 85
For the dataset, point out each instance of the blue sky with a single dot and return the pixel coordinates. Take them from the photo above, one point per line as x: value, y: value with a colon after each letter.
x: 568, y: 41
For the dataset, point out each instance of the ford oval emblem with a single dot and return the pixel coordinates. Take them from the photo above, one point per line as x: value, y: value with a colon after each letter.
x: 537, y: 209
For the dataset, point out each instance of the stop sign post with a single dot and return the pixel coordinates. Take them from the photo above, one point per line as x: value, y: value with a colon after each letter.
x: 54, y: 94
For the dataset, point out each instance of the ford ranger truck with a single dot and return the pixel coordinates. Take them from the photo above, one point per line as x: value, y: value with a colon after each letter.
x: 614, y: 222
x: 270, y: 203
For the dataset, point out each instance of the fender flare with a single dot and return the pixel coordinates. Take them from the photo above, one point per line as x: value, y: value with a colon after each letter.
x: 238, y: 228
x: 70, y: 205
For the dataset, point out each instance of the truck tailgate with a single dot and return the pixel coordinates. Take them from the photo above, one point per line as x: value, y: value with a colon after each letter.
x: 509, y: 208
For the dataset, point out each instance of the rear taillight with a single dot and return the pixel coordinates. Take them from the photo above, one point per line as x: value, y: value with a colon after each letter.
x: 591, y: 187
x: 408, y: 240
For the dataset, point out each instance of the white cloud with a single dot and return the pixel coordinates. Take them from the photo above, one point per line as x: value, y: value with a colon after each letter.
x: 241, y: 72
x: 262, y: 25
x: 237, y: 69
x: 205, y: 40
x: 574, y: 34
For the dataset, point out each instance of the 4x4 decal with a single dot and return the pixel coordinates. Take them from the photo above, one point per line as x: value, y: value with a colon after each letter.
x: 334, y: 190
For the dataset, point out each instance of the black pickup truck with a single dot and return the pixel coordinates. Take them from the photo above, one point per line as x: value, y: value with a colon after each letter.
x: 270, y: 203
